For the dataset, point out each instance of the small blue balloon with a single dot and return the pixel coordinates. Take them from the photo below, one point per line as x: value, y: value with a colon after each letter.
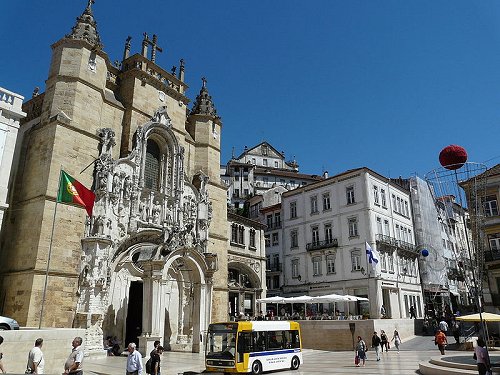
x: 425, y: 252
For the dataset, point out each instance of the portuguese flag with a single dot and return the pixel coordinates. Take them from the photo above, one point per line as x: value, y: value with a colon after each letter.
x: 72, y: 191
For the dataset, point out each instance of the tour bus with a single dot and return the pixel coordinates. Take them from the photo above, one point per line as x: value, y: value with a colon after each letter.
x: 253, y: 346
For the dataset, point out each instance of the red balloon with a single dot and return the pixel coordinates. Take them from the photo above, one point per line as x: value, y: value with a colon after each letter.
x: 453, y: 157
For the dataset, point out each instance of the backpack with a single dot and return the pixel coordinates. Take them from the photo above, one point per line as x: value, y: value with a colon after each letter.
x: 148, y: 366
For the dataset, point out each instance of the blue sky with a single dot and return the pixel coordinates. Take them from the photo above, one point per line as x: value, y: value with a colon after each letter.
x: 335, y: 84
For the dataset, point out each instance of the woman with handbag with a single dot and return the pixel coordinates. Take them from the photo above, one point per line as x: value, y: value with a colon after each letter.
x: 360, y: 352
x: 36, y: 362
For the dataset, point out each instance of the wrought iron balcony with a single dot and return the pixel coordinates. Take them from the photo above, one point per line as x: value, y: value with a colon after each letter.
x: 273, y: 226
x: 491, y: 255
x: 275, y: 267
x: 333, y: 242
x: 395, y: 243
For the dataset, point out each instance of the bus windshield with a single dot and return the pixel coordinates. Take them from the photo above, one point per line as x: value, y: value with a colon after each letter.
x: 221, y: 341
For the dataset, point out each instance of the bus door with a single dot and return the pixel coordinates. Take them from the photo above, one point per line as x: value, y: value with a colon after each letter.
x: 244, y: 345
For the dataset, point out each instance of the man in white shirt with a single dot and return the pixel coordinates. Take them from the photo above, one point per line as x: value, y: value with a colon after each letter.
x: 134, y: 360
x: 73, y: 364
x: 36, y: 362
x: 443, y: 326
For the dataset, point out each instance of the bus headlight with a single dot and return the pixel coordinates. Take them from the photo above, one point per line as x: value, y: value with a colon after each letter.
x: 231, y: 363
x: 210, y: 363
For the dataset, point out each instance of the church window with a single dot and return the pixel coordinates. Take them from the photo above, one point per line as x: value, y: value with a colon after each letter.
x: 234, y: 233
x: 252, y: 238
x: 242, y: 236
x: 152, y: 167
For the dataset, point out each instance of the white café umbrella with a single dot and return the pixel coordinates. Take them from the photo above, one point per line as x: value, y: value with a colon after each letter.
x: 330, y: 298
x: 275, y: 299
x: 355, y: 298
x: 300, y: 299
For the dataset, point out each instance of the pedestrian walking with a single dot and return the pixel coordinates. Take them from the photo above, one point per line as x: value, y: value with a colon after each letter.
x: 412, y: 312
x: 2, y: 368
x: 482, y: 358
x: 134, y: 360
x: 36, y: 362
x: 155, y: 360
x: 443, y: 326
x: 149, y: 368
x: 73, y: 364
x: 376, y: 345
x: 360, y: 352
x: 384, y: 341
x: 396, y: 339
x: 455, y: 328
x: 440, y: 340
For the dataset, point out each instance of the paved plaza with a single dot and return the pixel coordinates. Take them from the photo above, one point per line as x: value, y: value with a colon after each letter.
x: 315, y: 361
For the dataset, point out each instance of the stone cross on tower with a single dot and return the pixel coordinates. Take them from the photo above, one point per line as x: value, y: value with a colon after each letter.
x: 89, y: 4
x: 145, y: 43
x: 155, y: 47
x: 204, y: 80
x: 126, y: 51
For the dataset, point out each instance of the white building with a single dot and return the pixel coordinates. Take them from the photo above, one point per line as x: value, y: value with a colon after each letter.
x: 10, y: 114
x: 258, y: 169
x: 246, y: 264
x: 266, y: 208
x: 325, y: 227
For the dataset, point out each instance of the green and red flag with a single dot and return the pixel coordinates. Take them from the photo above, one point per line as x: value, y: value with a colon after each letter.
x: 72, y: 191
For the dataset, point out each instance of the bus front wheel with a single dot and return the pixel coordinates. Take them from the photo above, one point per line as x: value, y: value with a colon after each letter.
x: 295, y: 363
x: 256, y: 368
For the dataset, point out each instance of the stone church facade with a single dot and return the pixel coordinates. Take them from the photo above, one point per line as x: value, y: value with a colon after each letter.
x: 151, y: 263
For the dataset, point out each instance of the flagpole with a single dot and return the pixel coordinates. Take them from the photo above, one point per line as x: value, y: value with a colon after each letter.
x: 50, y: 253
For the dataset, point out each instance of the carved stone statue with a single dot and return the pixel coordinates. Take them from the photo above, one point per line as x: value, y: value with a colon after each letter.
x: 143, y: 210
x: 107, y: 136
x: 156, y: 212
x: 116, y: 184
x: 127, y: 188
x: 103, y: 180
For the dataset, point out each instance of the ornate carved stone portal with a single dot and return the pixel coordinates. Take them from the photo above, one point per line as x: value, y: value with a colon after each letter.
x: 145, y: 270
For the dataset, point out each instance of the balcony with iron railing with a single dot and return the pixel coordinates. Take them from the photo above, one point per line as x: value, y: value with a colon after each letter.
x: 388, y: 241
x: 318, y: 245
x: 273, y: 226
x: 492, y: 255
x: 275, y: 267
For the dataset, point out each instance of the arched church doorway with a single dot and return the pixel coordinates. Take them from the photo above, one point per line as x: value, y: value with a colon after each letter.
x: 133, y: 326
